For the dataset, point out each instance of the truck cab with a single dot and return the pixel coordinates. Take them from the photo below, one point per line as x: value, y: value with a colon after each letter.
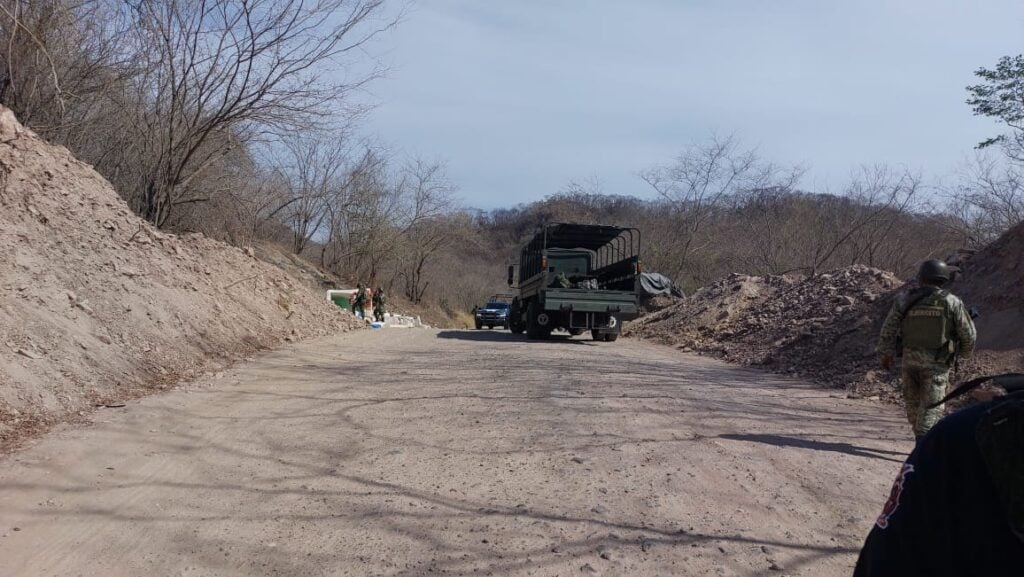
x: 576, y: 277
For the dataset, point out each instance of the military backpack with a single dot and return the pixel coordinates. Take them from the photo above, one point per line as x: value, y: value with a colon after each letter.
x: 926, y: 323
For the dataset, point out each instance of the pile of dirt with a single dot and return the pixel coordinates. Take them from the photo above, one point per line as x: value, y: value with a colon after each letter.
x: 822, y: 327
x: 96, y: 306
x: 992, y: 282
x: 825, y: 327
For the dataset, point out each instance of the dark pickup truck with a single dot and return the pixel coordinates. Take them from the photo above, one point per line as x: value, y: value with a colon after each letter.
x: 494, y: 313
x: 576, y: 277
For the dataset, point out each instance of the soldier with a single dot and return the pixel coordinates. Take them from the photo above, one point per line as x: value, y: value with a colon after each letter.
x: 359, y: 302
x: 378, y: 304
x: 957, y: 506
x: 933, y: 330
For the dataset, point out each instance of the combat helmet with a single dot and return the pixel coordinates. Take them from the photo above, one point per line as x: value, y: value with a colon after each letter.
x: 935, y: 272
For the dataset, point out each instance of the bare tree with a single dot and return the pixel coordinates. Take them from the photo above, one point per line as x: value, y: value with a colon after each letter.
x: 218, y: 73
x: 699, y: 183
x: 988, y: 200
x: 880, y: 197
x: 426, y: 228
x: 58, y: 58
x: 314, y: 168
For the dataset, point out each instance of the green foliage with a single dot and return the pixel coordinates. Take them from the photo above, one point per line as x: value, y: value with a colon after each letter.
x: 1001, y: 96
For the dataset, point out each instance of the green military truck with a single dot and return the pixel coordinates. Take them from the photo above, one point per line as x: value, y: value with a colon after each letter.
x: 576, y: 277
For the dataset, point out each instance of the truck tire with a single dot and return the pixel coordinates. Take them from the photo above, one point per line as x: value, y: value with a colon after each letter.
x: 603, y: 336
x: 490, y: 327
x: 610, y: 334
x: 515, y: 318
x: 575, y: 332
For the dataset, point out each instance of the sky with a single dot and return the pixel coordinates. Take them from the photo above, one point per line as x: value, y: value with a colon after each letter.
x: 520, y: 97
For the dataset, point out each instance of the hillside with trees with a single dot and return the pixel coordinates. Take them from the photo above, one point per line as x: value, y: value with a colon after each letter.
x: 239, y: 119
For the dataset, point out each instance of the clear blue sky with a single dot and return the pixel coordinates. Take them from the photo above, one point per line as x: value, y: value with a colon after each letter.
x: 522, y: 96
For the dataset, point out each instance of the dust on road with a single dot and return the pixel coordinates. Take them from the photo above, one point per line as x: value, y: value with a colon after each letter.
x: 462, y: 453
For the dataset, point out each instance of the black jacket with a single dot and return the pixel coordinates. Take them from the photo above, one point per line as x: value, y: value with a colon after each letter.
x: 947, y: 516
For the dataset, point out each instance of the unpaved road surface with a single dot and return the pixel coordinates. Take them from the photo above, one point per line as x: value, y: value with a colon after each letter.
x: 422, y: 452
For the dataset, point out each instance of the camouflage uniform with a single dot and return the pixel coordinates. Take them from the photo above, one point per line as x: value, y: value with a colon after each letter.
x: 378, y: 305
x: 359, y: 303
x: 925, y: 373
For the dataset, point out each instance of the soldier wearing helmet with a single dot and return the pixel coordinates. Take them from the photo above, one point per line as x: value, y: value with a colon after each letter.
x: 930, y: 328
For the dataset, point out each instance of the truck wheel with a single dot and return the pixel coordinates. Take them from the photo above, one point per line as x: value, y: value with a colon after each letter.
x: 596, y: 335
x: 490, y: 327
x: 611, y: 337
x: 575, y: 332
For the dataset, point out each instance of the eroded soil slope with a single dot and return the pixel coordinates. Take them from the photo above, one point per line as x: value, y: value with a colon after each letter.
x: 97, y: 306
x: 993, y: 281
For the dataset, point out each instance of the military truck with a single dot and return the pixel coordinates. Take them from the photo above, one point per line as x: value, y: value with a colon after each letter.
x: 576, y: 277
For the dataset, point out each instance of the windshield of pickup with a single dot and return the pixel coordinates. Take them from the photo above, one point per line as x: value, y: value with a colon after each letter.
x: 496, y: 306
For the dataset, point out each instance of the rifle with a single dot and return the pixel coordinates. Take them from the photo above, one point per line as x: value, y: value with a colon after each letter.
x: 1011, y: 382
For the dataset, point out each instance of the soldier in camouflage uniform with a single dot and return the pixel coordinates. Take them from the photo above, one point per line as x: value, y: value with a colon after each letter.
x: 932, y: 329
x: 378, y: 301
x: 359, y: 302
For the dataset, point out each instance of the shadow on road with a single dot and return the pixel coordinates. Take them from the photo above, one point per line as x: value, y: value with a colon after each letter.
x: 490, y: 336
x: 845, y: 448
x: 421, y: 445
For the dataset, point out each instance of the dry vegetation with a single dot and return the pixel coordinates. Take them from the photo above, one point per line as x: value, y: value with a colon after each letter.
x: 97, y: 306
x: 237, y: 119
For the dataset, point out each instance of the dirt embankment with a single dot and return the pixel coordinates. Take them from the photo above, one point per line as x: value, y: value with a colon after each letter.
x: 825, y: 327
x: 993, y: 282
x: 822, y: 327
x: 96, y: 306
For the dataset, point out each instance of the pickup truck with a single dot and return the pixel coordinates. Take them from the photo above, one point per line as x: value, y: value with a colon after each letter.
x: 576, y: 277
x: 493, y: 314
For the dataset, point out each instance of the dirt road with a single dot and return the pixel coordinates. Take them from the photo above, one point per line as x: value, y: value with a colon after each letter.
x: 423, y: 452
